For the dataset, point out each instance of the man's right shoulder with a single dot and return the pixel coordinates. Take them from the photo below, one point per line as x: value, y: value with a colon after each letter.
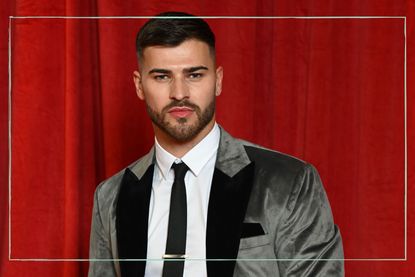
x: 108, y: 189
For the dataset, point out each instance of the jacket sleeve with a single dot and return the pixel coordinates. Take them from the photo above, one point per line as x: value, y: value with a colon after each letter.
x: 307, y: 242
x: 100, y: 253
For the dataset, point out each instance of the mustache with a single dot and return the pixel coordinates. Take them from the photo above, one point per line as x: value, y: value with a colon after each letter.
x: 181, y: 103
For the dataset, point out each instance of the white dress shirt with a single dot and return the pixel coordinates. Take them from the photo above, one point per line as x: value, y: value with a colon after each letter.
x: 201, y: 162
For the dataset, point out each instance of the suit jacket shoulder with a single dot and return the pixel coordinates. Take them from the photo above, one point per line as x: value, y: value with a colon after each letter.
x: 103, y: 239
x: 288, y: 200
x: 107, y: 191
x: 270, y: 159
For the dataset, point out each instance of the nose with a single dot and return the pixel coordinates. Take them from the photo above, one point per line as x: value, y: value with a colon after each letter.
x: 179, y: 89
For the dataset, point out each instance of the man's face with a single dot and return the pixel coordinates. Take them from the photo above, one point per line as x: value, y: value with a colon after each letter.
x: 179, y: 85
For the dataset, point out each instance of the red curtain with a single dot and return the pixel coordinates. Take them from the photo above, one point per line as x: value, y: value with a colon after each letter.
x: 328, y: 90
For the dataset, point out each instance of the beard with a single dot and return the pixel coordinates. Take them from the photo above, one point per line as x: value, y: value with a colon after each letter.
x: 182, y: 131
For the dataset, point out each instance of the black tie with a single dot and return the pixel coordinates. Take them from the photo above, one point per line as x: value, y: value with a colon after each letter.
x: 176, y: 235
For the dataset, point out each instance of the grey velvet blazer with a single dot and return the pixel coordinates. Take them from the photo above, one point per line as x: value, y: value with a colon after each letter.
x: 268, y: 215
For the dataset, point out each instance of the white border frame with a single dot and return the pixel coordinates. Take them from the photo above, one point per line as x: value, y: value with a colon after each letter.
x: 405, y: 258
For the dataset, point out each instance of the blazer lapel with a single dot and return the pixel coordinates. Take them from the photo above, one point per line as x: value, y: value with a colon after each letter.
x: 228, y: 201
x: 132, y: 217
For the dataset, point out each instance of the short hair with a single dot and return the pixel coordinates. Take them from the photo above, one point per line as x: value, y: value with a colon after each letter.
x: 164, y: 31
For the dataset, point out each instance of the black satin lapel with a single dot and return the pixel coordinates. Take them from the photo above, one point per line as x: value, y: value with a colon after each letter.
x: 132, y: 221
x: 228, y: 201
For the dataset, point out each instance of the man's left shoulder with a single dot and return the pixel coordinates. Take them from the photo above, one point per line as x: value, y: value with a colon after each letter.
x: 268, y: 159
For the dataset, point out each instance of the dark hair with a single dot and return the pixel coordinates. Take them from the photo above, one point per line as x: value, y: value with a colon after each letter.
x: 165, y: 31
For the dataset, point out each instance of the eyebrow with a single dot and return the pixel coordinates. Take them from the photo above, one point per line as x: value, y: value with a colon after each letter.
x: 186, y: 70
x: 159, y: 70
x: 195, y: 68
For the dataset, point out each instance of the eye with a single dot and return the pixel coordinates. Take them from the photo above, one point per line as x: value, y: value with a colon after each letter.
x: 195, y: 75
x: 161, y: 77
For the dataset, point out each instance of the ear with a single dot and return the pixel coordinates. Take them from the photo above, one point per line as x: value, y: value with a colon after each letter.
x: 219, y: 78
x: 138, y: 85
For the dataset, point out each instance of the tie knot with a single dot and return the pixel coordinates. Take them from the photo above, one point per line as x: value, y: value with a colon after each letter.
x: 180, y: 170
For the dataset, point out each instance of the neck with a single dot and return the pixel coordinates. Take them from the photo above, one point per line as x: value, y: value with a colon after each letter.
x: 180, y: 148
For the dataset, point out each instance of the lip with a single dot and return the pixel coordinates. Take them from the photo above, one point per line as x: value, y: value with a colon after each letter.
x: 180, y: 112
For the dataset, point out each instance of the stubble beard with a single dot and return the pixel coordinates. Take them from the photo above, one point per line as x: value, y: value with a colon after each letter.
x: 182, y: 131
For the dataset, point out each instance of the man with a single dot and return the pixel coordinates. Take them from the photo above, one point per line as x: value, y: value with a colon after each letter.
x: 202, y: 203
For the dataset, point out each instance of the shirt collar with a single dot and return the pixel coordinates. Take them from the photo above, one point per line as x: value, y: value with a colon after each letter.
x: 195, y: 159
